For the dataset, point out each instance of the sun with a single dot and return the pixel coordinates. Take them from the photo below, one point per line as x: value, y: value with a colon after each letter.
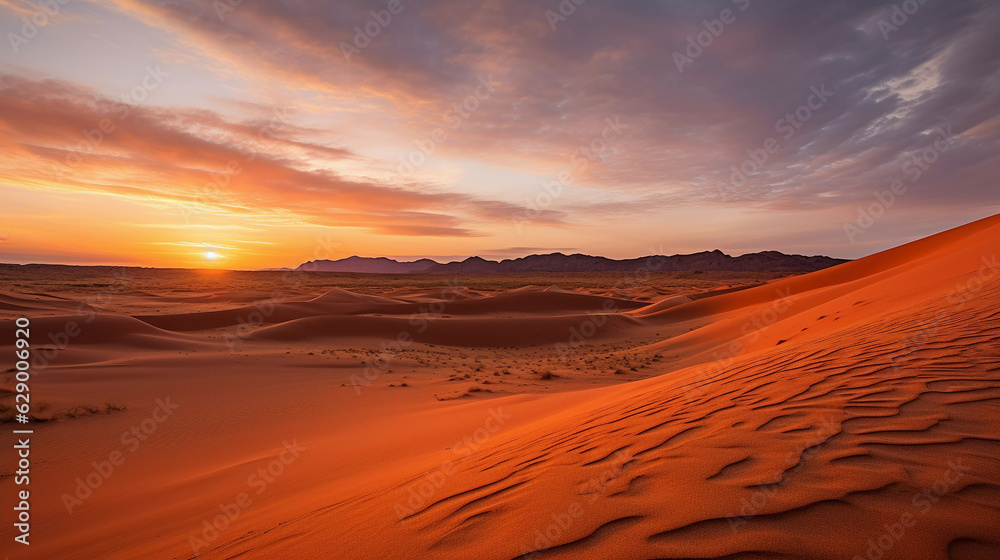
x: 211, y: 255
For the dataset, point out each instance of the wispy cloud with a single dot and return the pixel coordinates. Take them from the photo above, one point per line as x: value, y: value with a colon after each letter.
x: 349, y: 119
x: 193, y: 157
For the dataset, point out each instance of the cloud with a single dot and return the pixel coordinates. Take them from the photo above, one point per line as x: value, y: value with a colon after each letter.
x: 686, y: 129
x: 683, y: 130
x: 62, y: 135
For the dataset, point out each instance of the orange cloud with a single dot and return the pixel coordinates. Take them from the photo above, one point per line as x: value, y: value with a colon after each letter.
x: 61, y: 136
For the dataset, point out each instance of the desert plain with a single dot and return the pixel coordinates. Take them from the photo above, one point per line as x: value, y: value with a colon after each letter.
x: 852, y: 412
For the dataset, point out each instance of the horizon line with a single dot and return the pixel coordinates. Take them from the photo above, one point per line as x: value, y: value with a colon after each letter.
x: 417, y: 259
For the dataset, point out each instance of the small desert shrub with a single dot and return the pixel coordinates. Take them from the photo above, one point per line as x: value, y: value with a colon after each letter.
x: 88, y: 410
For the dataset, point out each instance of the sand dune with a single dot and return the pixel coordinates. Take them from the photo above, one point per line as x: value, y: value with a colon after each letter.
x: 851, y: 412
x: 339, y: 303
x: 457, y: 332
x: 807, y: 449
x: 338, y: 295
x: 98, y: 329
x: 41, y: 303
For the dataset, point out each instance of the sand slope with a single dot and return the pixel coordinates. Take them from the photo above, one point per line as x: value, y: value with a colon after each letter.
x: 844, y: 413
x: 879, y: 426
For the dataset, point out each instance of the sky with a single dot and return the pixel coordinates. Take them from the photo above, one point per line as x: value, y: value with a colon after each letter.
x: 251, y: 134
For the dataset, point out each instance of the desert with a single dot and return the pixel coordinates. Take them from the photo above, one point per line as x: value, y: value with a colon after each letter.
x: 812, y: 416
x: 499, y: 280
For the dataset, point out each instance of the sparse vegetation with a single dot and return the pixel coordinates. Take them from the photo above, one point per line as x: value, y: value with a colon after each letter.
x: 7, y: 412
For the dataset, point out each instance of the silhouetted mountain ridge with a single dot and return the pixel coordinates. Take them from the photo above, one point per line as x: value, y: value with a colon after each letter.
x: 376, y: 265
x: 765, y: 261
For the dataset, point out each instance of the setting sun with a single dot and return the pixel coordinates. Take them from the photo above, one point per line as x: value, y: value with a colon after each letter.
x: 500, y: 279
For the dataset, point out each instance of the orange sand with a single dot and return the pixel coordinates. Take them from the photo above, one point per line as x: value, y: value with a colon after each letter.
x: 817, y: 416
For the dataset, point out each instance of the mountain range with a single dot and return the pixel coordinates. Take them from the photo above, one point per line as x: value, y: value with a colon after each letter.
x: 766, y: 261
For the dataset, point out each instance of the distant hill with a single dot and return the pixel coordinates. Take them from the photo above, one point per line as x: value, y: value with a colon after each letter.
x: 379, y: 265
x: 767, y: 261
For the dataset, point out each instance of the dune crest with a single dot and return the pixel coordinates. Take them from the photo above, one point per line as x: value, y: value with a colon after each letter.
x: 882, y: 414
x: 814, y: 416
